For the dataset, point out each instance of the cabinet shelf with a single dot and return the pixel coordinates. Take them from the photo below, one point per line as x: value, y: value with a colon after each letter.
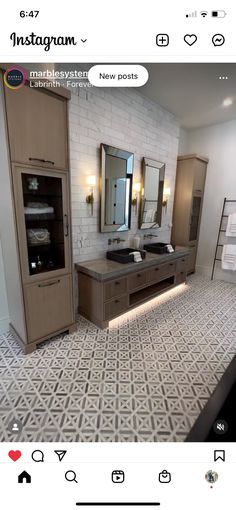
x: 37, y: 193
x: 148, y: 292
x: 40, y: 217
x: 45, y: 245
x: 40, y: 245
x: 52, y: 220
x: 45, y: 270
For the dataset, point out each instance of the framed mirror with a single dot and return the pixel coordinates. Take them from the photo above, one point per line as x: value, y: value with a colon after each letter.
x: 116, y: 188
x: 153, y: 174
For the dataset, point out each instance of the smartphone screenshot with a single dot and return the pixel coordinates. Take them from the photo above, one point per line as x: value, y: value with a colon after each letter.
x: 117, y: 255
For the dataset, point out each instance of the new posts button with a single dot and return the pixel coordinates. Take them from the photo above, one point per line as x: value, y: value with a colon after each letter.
x: 118, y: 75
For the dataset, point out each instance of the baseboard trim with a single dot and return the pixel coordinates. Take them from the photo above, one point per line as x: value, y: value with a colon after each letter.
x: 204, y: 270
x: 4, y: 325
x: 219, y: 274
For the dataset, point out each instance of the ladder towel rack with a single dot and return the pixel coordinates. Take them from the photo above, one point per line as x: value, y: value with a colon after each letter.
x: 218, y: 244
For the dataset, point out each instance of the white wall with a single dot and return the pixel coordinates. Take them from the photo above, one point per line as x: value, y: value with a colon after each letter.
x: 4, y: 319
x: 183, y: 141
x: 218, y: 143
x: 125, y: 119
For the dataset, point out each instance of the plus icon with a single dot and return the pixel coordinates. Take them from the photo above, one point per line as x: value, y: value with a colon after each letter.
x: 162, y: 39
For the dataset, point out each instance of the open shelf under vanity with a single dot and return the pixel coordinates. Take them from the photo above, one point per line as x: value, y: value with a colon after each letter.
x: 140, y: 296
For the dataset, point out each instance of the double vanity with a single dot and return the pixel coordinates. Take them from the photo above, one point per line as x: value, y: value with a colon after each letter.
x: 108, y: 288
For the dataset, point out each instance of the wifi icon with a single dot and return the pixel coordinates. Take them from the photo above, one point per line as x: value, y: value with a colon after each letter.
x: 204, y: 13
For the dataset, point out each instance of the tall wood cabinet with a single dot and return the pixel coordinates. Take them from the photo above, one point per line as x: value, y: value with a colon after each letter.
x: 37, y: 123
x: 35, y: 199
x: 189, y: 191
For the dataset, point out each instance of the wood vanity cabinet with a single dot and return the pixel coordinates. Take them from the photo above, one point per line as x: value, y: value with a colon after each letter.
x: 189, y: 192
x: 102, y: 300
x: 37, y: 125
x: 36, y: 229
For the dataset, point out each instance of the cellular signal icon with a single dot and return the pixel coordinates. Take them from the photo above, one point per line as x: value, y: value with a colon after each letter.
x: 204, y: 14
x: 192, y: 14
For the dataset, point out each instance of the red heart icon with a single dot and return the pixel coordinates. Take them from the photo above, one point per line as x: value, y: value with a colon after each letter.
x: 14, y: 455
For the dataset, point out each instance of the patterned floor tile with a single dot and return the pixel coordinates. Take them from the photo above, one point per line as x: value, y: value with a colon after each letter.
x: 146, y: 378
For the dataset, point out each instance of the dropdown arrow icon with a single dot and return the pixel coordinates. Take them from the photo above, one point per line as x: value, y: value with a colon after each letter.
x: 83, y: 40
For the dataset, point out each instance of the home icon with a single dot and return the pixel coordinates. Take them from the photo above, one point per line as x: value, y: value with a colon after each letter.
x: 24, y: 477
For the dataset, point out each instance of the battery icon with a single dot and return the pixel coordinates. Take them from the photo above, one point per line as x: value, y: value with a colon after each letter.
x: 218, y: 14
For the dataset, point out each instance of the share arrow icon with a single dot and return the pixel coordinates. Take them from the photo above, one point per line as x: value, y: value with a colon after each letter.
x: 60, y: 454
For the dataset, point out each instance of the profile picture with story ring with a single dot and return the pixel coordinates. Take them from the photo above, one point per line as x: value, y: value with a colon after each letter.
x: 15, y: 77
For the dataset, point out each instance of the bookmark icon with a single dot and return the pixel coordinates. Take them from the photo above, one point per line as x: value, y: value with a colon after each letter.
x: 61, y: 454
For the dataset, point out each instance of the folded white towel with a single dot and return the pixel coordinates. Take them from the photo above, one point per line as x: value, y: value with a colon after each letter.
x: 231, y: 226
x: 40, y: 210
x: 38, y: 205
x: 137, y: 256
x: 228, y: 260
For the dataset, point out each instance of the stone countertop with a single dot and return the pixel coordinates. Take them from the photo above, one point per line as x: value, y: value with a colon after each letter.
x: 105, y: 269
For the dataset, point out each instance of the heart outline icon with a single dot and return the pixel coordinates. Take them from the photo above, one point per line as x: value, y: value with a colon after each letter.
x: 14, y: 455
x: 190, y: 39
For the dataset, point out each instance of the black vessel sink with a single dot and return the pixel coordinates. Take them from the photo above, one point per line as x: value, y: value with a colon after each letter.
x: 124, y: 255
x: 156, y: 248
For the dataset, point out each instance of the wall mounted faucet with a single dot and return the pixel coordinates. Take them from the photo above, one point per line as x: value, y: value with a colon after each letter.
x: 149, y: 236
x: 117, y: 240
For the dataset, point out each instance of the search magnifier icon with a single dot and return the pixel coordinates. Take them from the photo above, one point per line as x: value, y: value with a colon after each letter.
x: 70, y: 476
x: 37, y: 456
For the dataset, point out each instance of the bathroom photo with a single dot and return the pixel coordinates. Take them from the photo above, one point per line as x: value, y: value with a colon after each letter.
x: 117, y: 255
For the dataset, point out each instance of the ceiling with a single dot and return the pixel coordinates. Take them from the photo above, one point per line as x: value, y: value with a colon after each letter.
x: 193, y: 92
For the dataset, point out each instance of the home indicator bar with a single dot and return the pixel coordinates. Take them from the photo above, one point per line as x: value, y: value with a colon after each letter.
x: 119, y: 504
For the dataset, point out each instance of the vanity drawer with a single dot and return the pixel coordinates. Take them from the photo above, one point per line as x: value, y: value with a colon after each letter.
x: 154, y: 274
x: 181, y: 264
x: 159, y: 272
x: 180, y: 277
x: 167, y: 269
x: 137, y: 280
x: 115, y: 288
x: 115, y: 307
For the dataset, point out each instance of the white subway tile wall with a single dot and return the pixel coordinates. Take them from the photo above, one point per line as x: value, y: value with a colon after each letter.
x: 125, y: 119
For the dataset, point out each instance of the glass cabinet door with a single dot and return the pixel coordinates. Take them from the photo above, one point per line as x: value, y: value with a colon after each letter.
x: 194, y: 218
x: 45, y: 222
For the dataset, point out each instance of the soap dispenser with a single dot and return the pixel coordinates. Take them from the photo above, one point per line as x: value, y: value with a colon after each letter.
x: 136, y: 242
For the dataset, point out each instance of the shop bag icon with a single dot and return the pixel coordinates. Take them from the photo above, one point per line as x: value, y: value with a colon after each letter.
x: 164, y: 476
